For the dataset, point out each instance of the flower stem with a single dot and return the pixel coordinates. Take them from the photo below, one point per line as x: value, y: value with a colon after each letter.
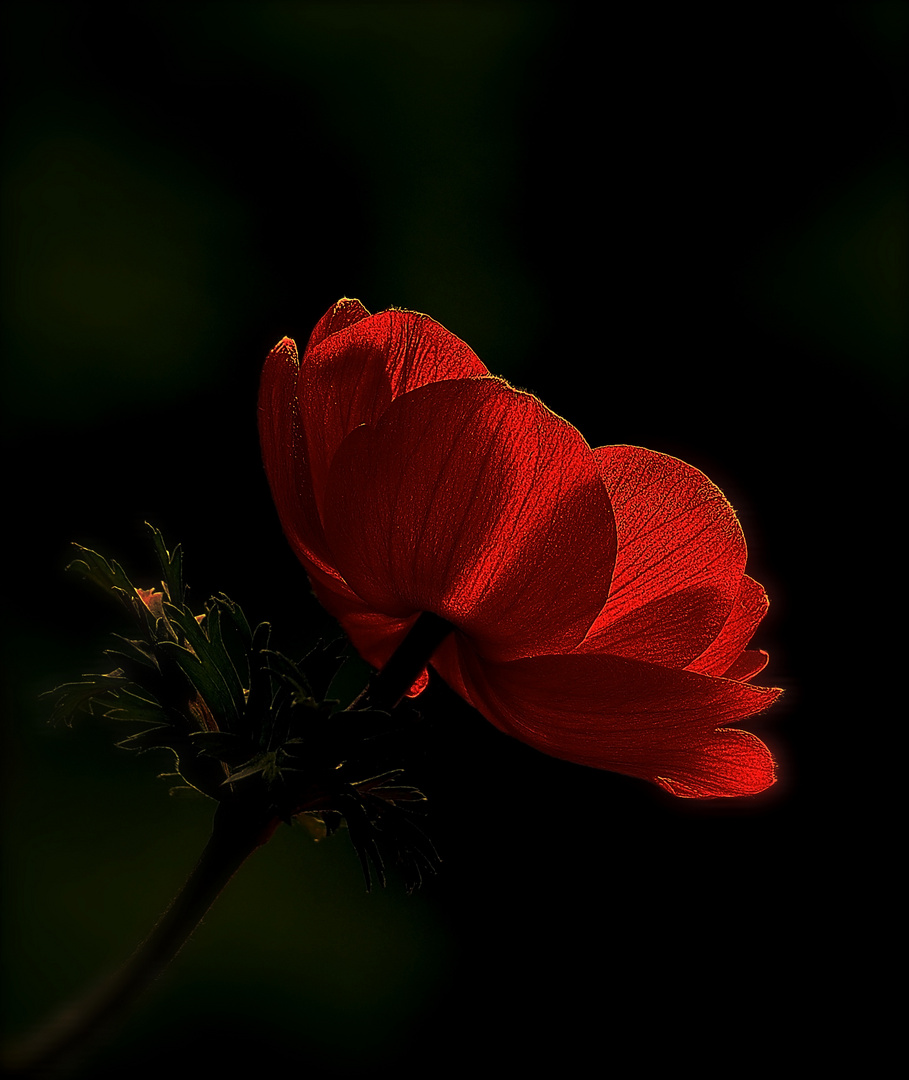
x: 61, y: 1043
x: 409, y: 660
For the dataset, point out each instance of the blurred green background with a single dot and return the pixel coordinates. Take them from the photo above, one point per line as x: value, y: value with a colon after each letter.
x: 682, y: 230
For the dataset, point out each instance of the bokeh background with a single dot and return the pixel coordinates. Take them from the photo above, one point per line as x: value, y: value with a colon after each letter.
x: 682, y: 229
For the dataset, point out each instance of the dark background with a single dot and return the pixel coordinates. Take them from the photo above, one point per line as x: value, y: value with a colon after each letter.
x: 684, y: 231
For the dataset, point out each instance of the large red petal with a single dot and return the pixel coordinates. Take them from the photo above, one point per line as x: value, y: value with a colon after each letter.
x: 474, y: 501
x: 749, y: 608
x: 679, y: 562
x: 350, y: 377
x: 283, y: 453
x: 281, y: 437
x: 347, y: 377
x: 660, y: 724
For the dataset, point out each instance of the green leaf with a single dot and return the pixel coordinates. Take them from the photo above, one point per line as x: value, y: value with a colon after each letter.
x: 261, y: 764
x: 109, y: 575
x: 207, y: 666
x: 136, y: 651
x: 171, y: 566
x: 94, y: 693
x: 223, y: 745
x: 160, y: 737
x: 112, y: 578
x: 232, y: 664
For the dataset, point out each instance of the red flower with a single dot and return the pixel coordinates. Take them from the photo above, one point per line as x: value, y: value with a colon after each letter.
x: 153, y: 600
x: 599, y: 600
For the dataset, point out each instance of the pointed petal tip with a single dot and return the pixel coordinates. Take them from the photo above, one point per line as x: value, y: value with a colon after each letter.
x: 339, y: 316
x: 286, y: 349
x: 350, y: 306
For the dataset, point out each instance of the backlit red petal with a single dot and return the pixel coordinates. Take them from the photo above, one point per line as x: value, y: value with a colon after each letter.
x: 474, y: 501
x: 376, y: 636
x: 749, y: 608
x: 283, y: 453
x: 351, y: 376
x: 729, y: 763
x: 343, y: 314
x: 660, y: 724
x: 748, y: 664
x: 679, y: 561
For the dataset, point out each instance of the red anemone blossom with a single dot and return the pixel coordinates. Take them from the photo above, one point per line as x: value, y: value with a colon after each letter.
x: 598, y: 599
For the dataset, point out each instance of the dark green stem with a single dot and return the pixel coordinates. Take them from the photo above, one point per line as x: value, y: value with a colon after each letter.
x: 62, y: 1042
x: 237, y: 831
x: 410, y: 658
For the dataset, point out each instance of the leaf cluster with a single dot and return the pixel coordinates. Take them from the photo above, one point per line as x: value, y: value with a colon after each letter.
x: 243, y: 721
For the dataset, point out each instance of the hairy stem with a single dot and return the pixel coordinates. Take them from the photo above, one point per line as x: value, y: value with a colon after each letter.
x: 61, y: 1043
x: 239, y: 828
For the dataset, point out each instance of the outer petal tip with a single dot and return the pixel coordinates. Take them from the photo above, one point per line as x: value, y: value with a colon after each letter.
x: 285, y: 352
x: 664, y: 725
x: 730, y: 764
x: 339, y: 316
